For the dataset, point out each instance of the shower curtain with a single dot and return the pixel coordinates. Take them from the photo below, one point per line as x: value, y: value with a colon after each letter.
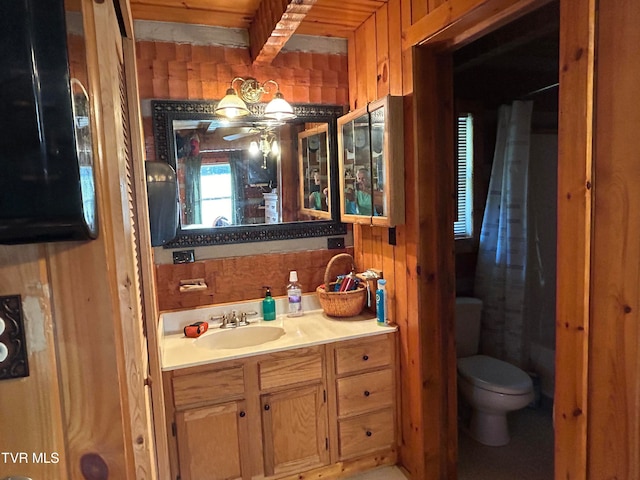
x: 501, y: 268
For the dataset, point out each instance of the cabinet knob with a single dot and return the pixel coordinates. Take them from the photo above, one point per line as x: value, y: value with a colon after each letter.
x: 267, y: 407
x: 367, y: 393
x: 242, y: 414
x: 369, y: 433
x: 365, y: 357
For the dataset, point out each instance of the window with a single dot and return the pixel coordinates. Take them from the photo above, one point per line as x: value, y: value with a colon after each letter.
x: 216, y: 180
x: 463, y: 224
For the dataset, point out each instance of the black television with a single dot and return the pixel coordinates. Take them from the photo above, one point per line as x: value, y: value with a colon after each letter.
x: 262, y: 171
x: 47, y: 186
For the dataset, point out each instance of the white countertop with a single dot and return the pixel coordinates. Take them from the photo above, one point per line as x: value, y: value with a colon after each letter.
x: 313, y: 328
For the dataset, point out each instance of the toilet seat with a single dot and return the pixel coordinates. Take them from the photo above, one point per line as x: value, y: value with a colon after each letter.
x: 494, y: 375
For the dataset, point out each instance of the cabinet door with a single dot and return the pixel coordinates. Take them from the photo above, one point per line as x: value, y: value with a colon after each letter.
x: 371, y: 160
x: 212, y: 442
x: 354, y: 154
x: 387, y: 160
x: 294, y: 428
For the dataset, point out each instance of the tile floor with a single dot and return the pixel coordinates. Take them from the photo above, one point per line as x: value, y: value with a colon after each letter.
x: 383, y: 473
x: 529, y: 455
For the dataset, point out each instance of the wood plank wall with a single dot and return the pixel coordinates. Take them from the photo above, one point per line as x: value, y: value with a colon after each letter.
x: 420, y: 267
x: 613, y: 446
x: 200, y: 72
x: 575, y: 177
x: 79, y: 400
x: 31, y: 418
x: 377, y: 67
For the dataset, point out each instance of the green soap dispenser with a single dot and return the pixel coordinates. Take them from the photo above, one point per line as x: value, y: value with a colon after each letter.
x: 268, y: 306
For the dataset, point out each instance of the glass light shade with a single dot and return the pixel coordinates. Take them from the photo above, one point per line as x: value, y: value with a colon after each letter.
x: 275, y: 148
x: 231, y: 105
x: 253, y: 148
x: 279, y: 108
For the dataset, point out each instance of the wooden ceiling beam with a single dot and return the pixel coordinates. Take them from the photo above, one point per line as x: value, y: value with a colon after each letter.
x: 274, y: 23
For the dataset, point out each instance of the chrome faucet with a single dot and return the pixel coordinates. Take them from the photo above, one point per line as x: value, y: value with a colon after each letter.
x: 233, y: 320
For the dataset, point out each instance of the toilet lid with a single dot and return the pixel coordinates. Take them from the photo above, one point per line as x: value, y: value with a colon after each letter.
x: 495, y: 375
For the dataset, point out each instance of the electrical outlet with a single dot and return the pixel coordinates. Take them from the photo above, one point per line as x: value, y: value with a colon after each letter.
x: 335, y: 243
x: 13, y: 342
x: 184, y: 256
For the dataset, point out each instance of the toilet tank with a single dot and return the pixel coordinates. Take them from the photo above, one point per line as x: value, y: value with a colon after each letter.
x: 468, y: 313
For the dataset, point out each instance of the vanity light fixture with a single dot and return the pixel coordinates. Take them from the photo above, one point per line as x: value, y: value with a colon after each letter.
x: 233, y: 105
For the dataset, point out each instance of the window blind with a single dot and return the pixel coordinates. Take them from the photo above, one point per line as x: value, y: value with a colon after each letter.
x: 463, y: 224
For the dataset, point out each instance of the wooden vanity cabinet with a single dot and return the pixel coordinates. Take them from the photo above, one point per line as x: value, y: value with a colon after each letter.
x: 362, y: 372
x: 293, y: 401
x: 284, y: 413
x: 210, y: 430
x: 211, y: 441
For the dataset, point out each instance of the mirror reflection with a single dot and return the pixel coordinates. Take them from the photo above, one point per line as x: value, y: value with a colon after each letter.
x: 363, y: 139
x: 228, y: 174
x: 315, y: 170
x: 250, y: 178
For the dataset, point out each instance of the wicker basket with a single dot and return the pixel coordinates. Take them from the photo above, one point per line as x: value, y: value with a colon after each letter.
x: 341, y: 304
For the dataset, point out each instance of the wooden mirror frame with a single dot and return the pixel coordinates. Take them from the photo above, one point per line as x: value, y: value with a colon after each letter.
x: 164, y: 112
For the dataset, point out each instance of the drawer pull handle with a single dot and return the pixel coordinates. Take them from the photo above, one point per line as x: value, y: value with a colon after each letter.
x: 242, y: 414
x: 367, y: 393
x: 365, y: 357
x: 267, y: 407
x: 369, y: 433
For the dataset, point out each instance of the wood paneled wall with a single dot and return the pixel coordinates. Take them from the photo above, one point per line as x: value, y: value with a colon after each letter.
x: 613, y: 442
x: 597, y: 405
x: 201, y: 72
x: 420, y: 267
x: 85, y: 396
x: 235, y: 279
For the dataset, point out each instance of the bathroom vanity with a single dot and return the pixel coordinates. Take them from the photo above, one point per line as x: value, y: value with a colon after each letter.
x: 319, y: 397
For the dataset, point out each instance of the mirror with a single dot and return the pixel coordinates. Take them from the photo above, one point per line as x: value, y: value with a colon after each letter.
x: 242, y: 180
x: 361, y: 143
x: 315, y: 171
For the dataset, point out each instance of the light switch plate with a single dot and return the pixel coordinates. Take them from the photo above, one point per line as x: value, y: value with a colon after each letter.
x: 13, y: 339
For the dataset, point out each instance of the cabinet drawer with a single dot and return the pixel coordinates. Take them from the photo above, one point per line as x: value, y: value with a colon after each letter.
x: 366, y: 433
x: 289, y: 370
x: 208, y: 386
x: 364, y: 354
x: 365, y: 392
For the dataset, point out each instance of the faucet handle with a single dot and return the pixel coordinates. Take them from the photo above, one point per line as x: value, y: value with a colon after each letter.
x: 225, y: 320
x: 243, y: 317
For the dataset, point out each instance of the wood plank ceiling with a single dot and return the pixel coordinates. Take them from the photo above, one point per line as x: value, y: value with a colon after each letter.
x: 270, y: 22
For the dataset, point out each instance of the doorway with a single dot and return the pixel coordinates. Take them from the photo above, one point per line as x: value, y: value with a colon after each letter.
x: 489, y: 48
x: 517, y: 62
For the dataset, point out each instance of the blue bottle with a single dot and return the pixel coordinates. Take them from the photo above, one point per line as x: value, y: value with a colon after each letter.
x: 381, y: 303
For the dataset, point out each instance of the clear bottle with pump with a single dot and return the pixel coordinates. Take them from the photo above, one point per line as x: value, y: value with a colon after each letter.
x: 294, y: 293
x: 268, y: 306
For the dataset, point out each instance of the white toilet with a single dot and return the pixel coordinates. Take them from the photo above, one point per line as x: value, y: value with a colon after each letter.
x: 490, y: 386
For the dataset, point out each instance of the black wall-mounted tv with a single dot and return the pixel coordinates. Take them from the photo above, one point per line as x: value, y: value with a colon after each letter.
x: 262, y: 171
x: 46, y: 156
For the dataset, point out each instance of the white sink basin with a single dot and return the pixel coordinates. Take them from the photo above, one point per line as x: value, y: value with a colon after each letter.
x: 240, y: 337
